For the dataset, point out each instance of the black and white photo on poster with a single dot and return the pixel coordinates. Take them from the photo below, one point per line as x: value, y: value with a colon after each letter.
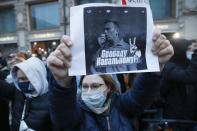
x: 115, y: 39
x: 111, y: 38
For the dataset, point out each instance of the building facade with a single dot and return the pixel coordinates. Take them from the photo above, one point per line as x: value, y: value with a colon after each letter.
x: 30, y: 25
x: 37, y: 26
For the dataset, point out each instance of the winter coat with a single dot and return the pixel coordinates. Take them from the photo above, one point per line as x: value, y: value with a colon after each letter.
x: 179, y: 90
x: 72, y: 114
x: 4, y: 107
x: 34, y: 106
x: 4, y: 113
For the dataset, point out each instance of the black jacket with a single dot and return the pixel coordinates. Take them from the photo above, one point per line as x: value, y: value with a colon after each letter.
x: 36, y: 115
x: 4, y: 114
x: 179, y: 90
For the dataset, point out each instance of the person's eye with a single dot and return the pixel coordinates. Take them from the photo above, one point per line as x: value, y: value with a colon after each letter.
x: 95, y: 86
x: 85, y: 86
x: 24, y: 79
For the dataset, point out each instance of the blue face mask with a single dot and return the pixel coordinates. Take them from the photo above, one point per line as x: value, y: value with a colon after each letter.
x: 189, y: 55
x: 95, y: 98
x: 26, y: 87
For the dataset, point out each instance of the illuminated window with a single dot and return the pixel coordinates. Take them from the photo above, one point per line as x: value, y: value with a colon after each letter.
x: 79, y: 2
x: 44, y: 15
x: 163, y: 8
x: 7, y: 20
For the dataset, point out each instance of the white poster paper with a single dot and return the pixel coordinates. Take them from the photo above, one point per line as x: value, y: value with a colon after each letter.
x: 109, y: 38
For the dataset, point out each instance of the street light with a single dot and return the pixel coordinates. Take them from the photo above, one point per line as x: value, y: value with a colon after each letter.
x: 33, y: 55
x: 54, y: 43
x: 176, y: 35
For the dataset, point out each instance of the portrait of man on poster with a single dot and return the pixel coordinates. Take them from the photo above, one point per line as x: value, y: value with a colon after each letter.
x: 115, y: 39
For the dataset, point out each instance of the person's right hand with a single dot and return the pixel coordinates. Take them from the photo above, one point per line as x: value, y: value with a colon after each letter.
x: 101, y: 40
x: 59, y: 61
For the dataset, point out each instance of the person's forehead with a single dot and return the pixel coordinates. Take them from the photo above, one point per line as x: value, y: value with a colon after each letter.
x: 109, y: 24
x: 93, y: 79
x: 20, y: 73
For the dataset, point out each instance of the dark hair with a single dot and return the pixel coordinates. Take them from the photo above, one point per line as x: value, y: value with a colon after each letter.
x: 114, y: 22
x: 180, y: 47
x: 109, y: 81
x: 3, y: 62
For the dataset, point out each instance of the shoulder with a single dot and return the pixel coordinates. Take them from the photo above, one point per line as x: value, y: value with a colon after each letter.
x: 124, y: 45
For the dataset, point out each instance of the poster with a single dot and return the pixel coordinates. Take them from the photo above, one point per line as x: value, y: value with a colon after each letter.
x: 111, y: 38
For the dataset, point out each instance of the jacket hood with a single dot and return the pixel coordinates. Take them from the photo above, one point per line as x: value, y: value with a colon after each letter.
x: 180, y: 47
x: 35, y: 71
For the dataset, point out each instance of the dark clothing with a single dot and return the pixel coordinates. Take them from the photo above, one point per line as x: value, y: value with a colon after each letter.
x: 179, y: 90
x: 4, y: 74
x: 180, y: 46
x: 36, y: 114
x: 122, y: 83
x: 4, y: 107
x: 69, y: 113
x: 4, y: 114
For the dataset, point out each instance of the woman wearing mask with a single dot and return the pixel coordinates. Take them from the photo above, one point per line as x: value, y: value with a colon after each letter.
x: 29, y: 96
x: 100, y: 107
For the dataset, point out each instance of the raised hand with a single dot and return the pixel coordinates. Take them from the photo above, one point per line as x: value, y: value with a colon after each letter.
x: 162, y: 48
x: 59, y: 61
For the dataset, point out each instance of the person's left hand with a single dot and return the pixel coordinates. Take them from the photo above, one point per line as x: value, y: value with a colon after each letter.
x: 162, y: 48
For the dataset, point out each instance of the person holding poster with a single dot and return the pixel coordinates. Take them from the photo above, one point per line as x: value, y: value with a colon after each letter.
x: 100, y: 107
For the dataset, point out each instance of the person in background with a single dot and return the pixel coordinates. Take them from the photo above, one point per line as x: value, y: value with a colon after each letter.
x: 4, y: 106
x: 30, y: 96
x: 179, y: 85
x: 100, y: 107
x: 28, y: 54
x: 3, y: 67
x: 11, y: 62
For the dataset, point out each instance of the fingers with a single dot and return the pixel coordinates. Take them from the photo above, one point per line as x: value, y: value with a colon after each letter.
x: 62, y: 56
x: 66, y: 40
x: 59, y: 61
x: 103, y: 35
x: 165, y: 51
x: 165, y: 54
x: 101, y: 39
x: 156, y: 34
x: 160, y: 45
x: 52, y: 60
x: 65, y: 52
x: 162, y: 48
